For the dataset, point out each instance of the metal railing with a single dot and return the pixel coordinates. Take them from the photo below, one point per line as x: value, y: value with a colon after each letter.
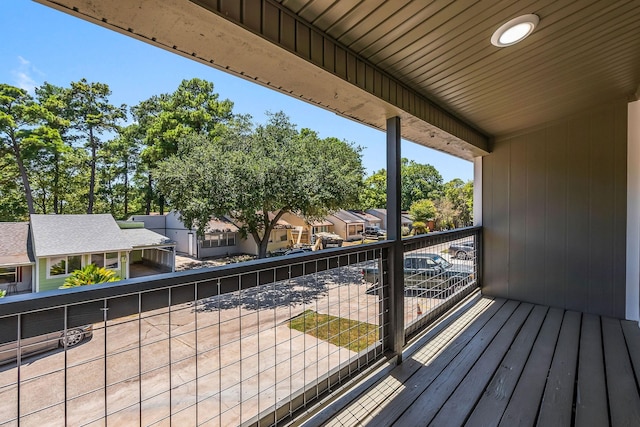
x: 252, y: 343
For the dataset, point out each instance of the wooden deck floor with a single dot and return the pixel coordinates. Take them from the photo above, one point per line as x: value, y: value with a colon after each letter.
x: 507, y: 363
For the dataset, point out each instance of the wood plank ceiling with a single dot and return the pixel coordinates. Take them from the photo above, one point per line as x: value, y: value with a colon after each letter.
x: 583, y: 53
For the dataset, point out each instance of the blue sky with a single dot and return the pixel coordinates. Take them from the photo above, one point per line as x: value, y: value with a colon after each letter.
x: 42, y: 44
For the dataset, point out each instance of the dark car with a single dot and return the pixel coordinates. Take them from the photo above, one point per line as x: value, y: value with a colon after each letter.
x: 374, y: 232
x: 463, y: 250
x: 427, y: 271
x: 42, y: 343
x: 302, y: 250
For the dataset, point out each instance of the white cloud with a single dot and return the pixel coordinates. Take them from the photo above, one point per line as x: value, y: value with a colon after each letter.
x: 22, y: 75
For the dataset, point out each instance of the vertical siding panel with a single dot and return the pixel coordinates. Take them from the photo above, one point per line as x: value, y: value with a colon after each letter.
x: 231, y: 9
x: 578, y: 236
x: 536, y: 209
x: 351, y: 68
x: 303, y: 41
x: 252, y: 13
x: 317, y: 48
x: 271, y: 22
x: 517, y: 221
x: 329, y: 55
x: 288, y: 32
x: 620, y: 211
x: 555, y: 279
x: 341, y: 62
x: 601, y: 207
x: 497, y: 230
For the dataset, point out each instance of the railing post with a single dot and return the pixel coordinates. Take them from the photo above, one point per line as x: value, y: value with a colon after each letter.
x: 395, y: 276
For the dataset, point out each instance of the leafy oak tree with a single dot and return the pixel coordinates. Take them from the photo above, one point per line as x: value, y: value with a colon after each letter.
x: 419, y: 181
x: 255, y: 175
x: 163, y: 120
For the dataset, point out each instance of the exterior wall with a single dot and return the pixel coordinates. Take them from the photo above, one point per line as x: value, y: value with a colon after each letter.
x: 380, y: 215
x: 155, y: 223
x: 554, y: 214
x: 45, y: 284
x: 339, y: 226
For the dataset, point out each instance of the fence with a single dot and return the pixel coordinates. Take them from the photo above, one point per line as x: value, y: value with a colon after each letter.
x: 253, y: 343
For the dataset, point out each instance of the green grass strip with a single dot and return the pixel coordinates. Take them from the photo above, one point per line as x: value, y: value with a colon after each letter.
x: 352, y: 334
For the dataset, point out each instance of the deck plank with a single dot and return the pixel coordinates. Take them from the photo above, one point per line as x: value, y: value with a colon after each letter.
x: 426, y: 405
x: 624, y: 401
x: 631, y: 332
x: 525, y: 401
x: 460, y: 404
x: 511, y: 364
x: 386, y: 414
x: 592, y: 408
x: 496, y: 396
x: 557, y: 400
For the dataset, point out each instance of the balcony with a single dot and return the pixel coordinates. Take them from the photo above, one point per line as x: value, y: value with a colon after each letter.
x: 237, y: 345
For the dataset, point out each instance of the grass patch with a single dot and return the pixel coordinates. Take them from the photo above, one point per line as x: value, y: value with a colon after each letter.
x: 352, y: 334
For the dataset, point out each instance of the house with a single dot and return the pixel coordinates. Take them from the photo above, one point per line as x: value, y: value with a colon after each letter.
x: 369, y: 219
x: 16, y: 257
x: 39, y: 255
x: 221, y: 237
x: 303, y: 229
x: 347, y: 225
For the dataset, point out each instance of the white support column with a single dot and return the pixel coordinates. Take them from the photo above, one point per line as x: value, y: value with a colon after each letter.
x: 477, y: 191
x: 633, y: 212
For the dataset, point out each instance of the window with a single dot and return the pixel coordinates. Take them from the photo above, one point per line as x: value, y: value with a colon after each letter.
x: 64, y: 265
x: 321, y: 229
x: 108, y: 260
x: 8, y: 274
x: 283, y: 238
x: 111, y: 260
x: 215, y: 240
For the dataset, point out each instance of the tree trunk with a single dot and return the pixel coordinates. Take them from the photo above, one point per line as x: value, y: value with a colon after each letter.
x: 126, y: 189
x: 149, y: 194
x: 56, y: 182
x: 23, y: 174
x: 92, y: 178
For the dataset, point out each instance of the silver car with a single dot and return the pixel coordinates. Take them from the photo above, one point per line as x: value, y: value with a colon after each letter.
x: 41, y: 343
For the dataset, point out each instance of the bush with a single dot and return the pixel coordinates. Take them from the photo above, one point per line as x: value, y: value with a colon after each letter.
x: 89, y: 275
x: 420, y: 227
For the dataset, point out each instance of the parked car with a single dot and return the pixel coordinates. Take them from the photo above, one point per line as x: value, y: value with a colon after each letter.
x: 463, y: 250
x: 42, y: 343
x: 302, y: 250
x: 374, y: 232
x: 426, y: 271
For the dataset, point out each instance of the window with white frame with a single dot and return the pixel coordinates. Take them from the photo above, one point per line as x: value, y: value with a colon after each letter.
x: 64, y: 265
x: 108, y: 260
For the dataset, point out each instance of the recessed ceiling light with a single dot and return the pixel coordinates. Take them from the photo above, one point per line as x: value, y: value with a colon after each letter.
x: 515, y: 30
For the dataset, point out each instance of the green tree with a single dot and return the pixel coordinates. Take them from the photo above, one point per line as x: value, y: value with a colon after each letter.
x: 23, y: 128
x: 163, y: 120
x: 419, y: 181
x: 459, y: 201
x: 374, y: 191
x: 90, y: 115
x: 423, y: 211
x: 89, y: 275
x: 253, y: 176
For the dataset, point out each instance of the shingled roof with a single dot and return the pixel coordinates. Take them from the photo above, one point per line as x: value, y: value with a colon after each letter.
x: 76, y: 234
x: 15, y: 246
